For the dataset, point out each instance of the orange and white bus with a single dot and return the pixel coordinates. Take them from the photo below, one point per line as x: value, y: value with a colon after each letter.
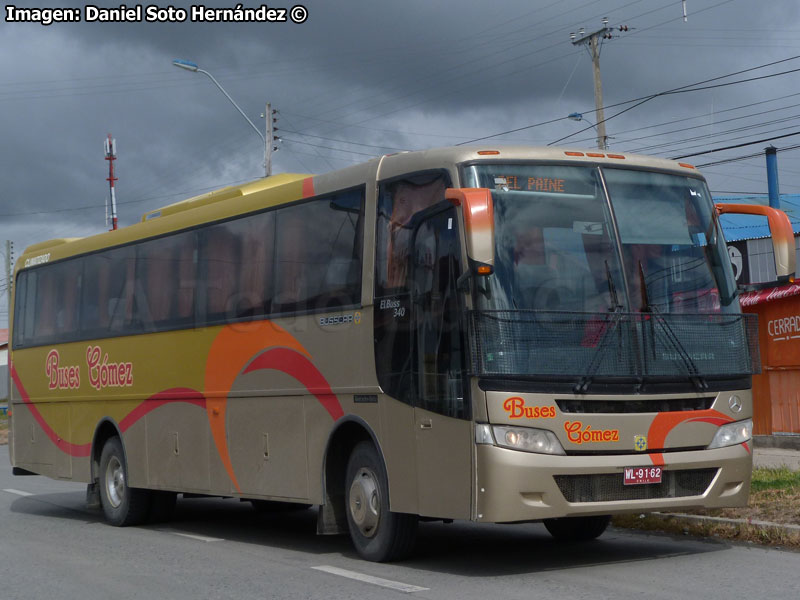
x: 496, y: 335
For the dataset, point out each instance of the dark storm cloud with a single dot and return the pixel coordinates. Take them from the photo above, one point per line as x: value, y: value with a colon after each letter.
x: 385, y: 75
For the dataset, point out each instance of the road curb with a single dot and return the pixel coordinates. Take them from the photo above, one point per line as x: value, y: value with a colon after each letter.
x: 788, y: 528
x: 782, y: 442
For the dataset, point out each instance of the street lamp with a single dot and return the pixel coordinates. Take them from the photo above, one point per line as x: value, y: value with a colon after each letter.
x: 576, y: 116
x: 190, y: 66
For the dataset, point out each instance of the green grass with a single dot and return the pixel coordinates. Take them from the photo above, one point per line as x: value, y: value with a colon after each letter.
x: 781, y: 478
x: 774, y: 497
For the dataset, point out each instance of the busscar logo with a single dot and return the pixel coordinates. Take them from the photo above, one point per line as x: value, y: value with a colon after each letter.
x: 340, y: 320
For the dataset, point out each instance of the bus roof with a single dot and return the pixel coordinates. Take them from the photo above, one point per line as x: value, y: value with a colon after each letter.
x: 288, y: 187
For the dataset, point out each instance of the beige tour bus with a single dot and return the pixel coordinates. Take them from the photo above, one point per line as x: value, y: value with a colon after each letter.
x: 501, y: 335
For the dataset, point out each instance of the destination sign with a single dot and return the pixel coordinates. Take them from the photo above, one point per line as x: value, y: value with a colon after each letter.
x: 530, y: 184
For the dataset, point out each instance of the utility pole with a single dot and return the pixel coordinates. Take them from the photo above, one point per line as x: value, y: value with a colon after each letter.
x: 9, y: 279
x: 593, y: 41
x: 270, y: 139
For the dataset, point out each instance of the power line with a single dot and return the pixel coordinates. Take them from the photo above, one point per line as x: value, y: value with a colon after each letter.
x: 640, y: 100
x: 330, y: 148
x: 681, y: 90
x: 707, y: 136
x: 745, y: 157
x: 344, y: 141
x: 761, y: 141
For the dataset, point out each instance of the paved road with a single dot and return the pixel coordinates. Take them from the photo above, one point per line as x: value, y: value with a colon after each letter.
x: 51, y: 546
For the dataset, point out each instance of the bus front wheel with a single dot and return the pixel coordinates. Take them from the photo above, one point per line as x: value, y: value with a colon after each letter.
x: 378, y: 534
x: 122, y: 505
x: 577, y: 529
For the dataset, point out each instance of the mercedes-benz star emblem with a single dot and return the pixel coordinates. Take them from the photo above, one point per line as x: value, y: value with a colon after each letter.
x: 735, y: 403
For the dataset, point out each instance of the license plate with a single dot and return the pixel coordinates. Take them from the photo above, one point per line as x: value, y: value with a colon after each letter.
x: 642, y: 475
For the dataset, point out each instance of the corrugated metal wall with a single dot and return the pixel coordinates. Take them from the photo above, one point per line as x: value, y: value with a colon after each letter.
x: 762, y: 261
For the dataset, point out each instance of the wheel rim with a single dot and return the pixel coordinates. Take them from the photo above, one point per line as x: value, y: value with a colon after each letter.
x: 365, y: 502
x: 115, y: 482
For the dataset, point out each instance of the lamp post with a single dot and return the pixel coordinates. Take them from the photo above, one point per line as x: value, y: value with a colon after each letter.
x: 190, y: 66
x: 576, y: 116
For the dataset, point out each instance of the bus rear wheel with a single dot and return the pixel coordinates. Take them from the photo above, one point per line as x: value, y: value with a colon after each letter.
x: 577, y: 529
x: 378, y: 534
x: 122, y: 505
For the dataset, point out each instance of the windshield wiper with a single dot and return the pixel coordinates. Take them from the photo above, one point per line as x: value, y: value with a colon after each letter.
x: 612, y: 289
x: 616, y: 309
x: 691, y: 367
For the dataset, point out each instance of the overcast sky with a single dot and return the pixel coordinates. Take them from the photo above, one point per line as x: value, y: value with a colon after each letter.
x: 361, y: 78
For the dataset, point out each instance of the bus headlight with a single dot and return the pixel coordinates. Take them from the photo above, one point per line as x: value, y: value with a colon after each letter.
x: 732, y: 434
x: 527, y: 439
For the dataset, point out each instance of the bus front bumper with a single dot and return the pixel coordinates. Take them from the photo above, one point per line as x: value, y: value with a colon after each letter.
x: 514, y: 486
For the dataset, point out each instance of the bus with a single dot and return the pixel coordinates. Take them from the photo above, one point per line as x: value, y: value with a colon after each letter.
x: 499, y: 335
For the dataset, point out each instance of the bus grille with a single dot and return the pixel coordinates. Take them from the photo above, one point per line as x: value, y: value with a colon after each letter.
x: 634, y: 406
x: 609, y: 487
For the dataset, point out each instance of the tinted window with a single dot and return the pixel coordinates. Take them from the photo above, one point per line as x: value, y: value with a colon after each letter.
x: 318, y: 250
x: 214, y: 274
x: 107, y: 294
x: 440, y: 343
x: 165, y: 281
x: 237, y: 262
x: 51, y: 303
x: 397, y: 203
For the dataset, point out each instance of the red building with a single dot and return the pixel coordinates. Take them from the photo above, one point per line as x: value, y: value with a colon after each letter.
x: 776, y: 391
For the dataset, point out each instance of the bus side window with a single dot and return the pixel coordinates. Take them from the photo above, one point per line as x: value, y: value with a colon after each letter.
x: 159, y: 299
x: 221, y: 258
x: 319, y: 254
x: 71, y: 274
x: 45, y: 301
x: 291, y: 289
x: 255, y: 268
x: 437, y: 318
x: 56, y: 312
x: 187, y: 276
x: 399, y: 201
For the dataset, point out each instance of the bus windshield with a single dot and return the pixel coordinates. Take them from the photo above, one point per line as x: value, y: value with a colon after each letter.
x: 556, y: 247
x: 578, y: 243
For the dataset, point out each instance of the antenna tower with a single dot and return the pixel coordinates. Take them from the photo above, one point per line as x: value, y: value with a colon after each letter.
x: 111, y: 156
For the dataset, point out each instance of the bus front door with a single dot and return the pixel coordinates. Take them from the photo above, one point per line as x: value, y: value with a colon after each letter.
x: 442, y: 411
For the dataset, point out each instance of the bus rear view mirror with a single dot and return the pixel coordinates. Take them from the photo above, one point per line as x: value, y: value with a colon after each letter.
x: 781, y: 232
x: 476, y: 204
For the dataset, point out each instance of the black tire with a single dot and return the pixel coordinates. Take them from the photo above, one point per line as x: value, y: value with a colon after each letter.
x: 122, y: 505
x: 577, y: 529
x: 275, y: 506
x: 378, y: 534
